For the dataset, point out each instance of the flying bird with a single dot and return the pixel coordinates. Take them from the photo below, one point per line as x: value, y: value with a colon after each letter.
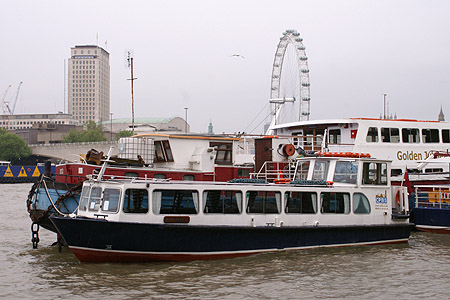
x: 237, y: 55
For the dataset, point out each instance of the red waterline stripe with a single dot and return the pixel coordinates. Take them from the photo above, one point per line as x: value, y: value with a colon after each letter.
x: 98, y: 256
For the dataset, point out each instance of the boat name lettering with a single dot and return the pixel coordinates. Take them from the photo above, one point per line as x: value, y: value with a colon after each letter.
x: 411, y: 155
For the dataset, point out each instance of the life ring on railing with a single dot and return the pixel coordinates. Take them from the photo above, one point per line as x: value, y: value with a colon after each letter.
x: 280, y: 178
x: 282, y: 181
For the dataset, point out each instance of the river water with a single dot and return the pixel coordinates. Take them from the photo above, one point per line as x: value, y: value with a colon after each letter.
x: 419, y: 269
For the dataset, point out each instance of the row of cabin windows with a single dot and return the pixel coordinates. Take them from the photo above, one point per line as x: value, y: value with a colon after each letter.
x: 222, y: 202
x: 408, y: 135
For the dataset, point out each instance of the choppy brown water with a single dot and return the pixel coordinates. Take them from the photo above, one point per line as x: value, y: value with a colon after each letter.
x: 417, y: 270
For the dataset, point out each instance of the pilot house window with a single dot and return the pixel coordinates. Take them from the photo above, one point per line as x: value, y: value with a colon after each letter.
x: 224, y: 151
x: 346, y: 172
x: 163, y: 152
x: 375, y: 173
x: 111, y: 199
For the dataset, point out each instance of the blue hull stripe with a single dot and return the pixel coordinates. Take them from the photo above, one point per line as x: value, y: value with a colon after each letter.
x: 98, y: 240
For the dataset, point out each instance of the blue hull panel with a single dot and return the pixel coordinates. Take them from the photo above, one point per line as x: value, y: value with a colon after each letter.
x: 102, y: 241
x: 432, y: 219
x: 43, y: 202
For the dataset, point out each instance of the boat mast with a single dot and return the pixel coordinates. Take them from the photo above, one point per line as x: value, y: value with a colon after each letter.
x: 130, y: 65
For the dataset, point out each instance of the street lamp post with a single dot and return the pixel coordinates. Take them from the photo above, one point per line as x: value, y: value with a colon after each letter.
x: 111, y: 127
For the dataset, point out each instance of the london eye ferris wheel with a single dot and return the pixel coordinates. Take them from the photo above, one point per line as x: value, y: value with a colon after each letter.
x: 290, y: 86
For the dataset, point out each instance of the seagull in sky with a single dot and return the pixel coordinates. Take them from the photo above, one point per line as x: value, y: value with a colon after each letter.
x: 237, y: 55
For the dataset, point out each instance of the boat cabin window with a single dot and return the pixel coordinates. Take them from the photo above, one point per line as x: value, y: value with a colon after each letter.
x: 94, y: 199
x: 361, y: 204
x: 111, y: 199
x: 135, y: 201
x: 175, y: 202
x: 410, y: 135
x: 430, y: 135
x: 301, y: 202
x: 390, y: 135
x: 320, y: 170
x: 445, y: 135
x: 372, y: 135
x: 396, y: 172
x: 313, y: 137
x: 160, y: 176
x: 346, y: 172
x: 434, y: 170
x: 263, y: 202
x: 374, y: 173
x: 243, y: 172
x: 222, y: 202
x: 188, y: 177
x: 334, y: 136
x: 163, y: 152
x: 308, y: 138
x: 296, y: 141
x: 224, y: 150
x: 335, y: 203
x: 131, y: 174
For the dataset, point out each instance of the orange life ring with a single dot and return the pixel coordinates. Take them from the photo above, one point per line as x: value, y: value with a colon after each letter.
x: 397, y: 198
x: 282, y: 181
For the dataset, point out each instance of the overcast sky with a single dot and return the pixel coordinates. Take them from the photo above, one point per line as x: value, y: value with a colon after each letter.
x: 357, y: 51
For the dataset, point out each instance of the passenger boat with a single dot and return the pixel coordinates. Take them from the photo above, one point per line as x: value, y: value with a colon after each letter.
x: 404, y: 141
x: 430, y: 198
x: 178, y: 157
x: 320, y: 201
x: 431, y: 210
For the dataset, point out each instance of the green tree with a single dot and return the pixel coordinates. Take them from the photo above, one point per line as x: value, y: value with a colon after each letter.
x: 123, y: 134
x: 12, y: 146
x: 91, y: 133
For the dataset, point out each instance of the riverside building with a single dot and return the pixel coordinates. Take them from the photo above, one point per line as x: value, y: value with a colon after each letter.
x: 89, y: 84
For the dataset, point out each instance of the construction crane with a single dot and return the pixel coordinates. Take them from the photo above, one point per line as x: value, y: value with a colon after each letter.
x: 11, y: 111
x: 3, y: 99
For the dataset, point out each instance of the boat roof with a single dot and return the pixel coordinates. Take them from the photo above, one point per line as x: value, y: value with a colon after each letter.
x: 349, y: 120
x: 191, y: 136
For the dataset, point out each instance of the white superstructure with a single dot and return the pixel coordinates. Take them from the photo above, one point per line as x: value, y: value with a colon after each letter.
x: 403, y: 141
